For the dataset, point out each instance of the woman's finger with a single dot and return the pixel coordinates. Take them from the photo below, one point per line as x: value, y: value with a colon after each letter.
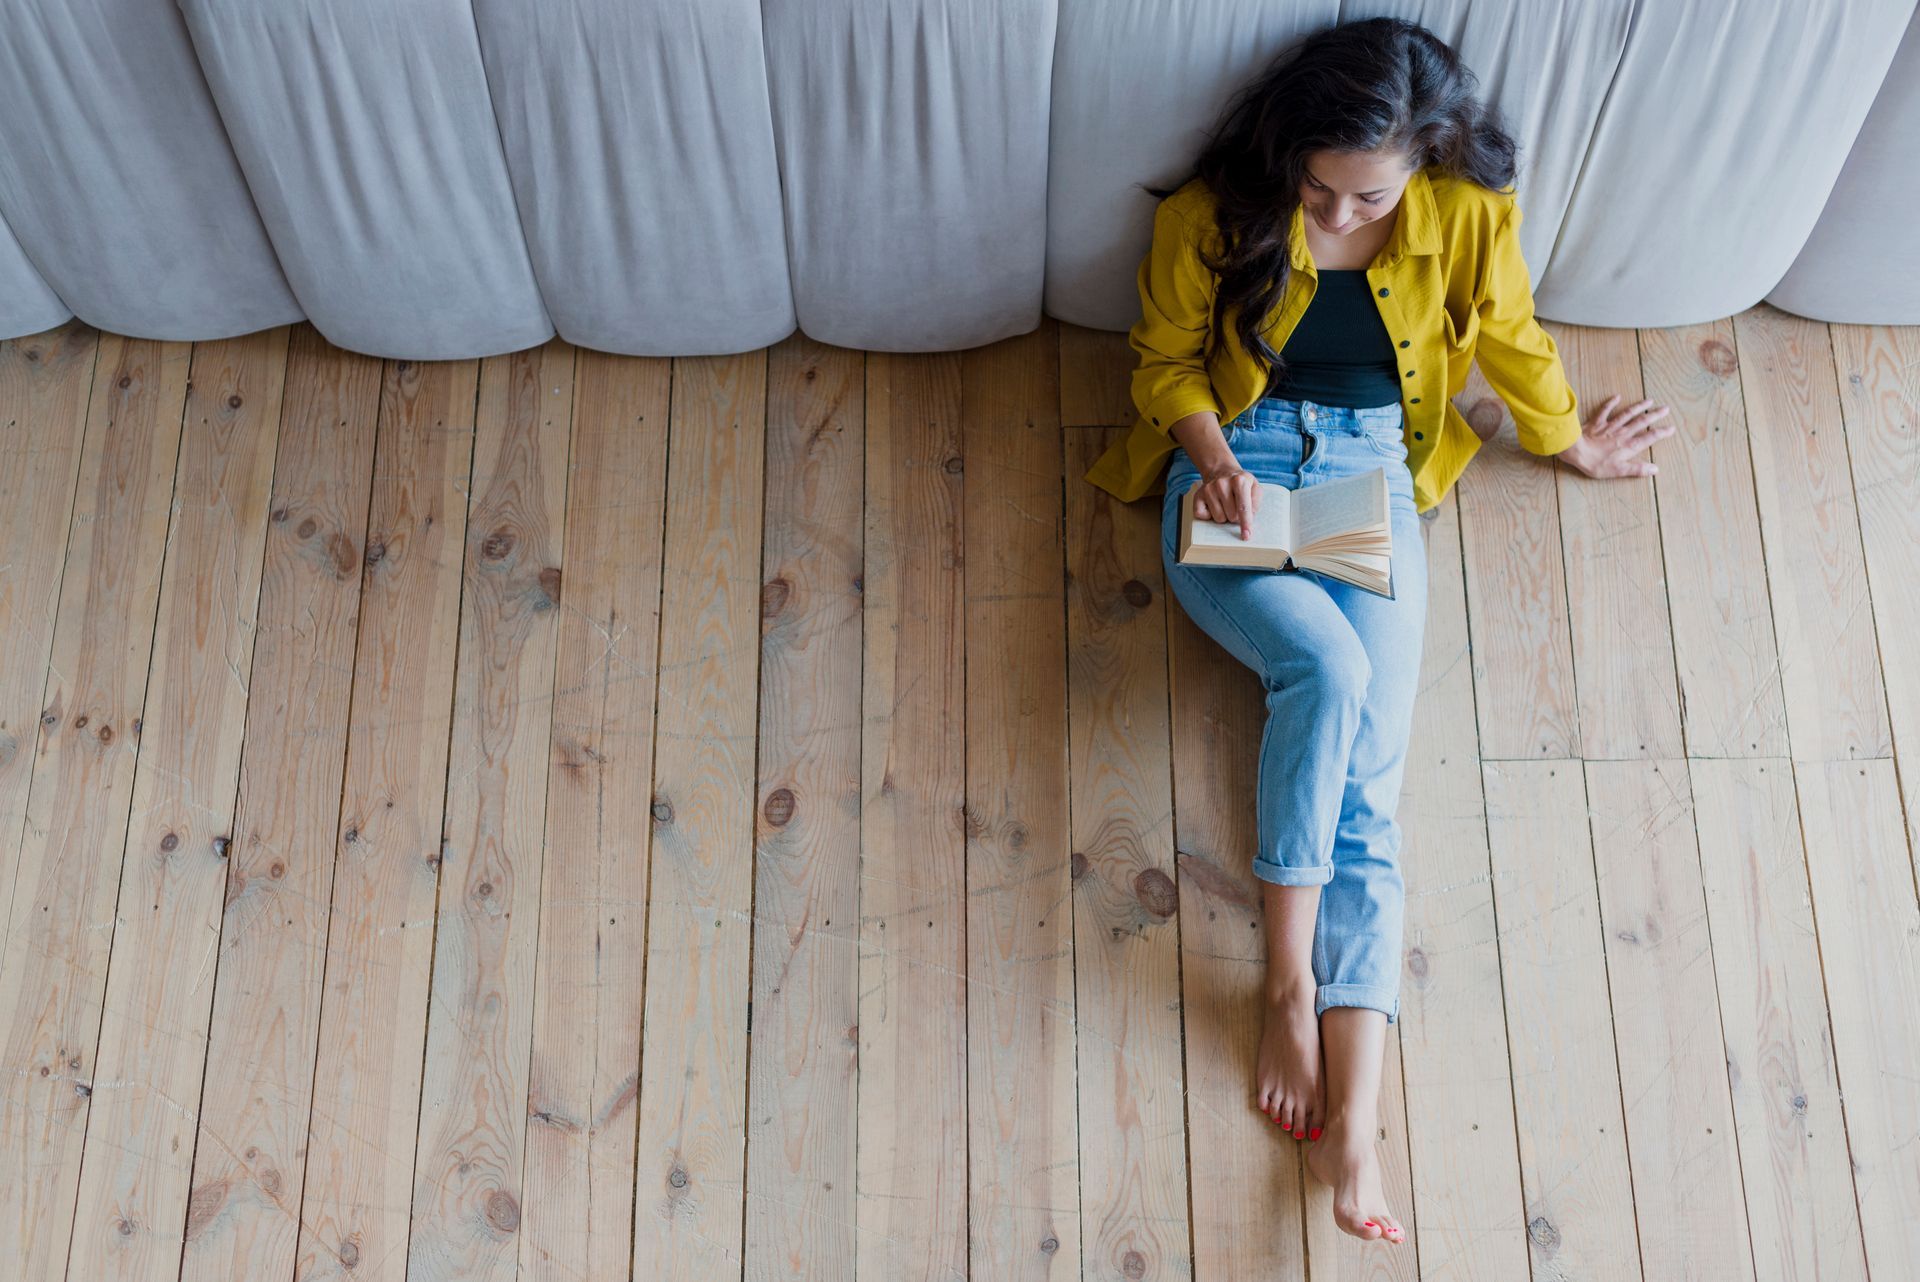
x: 1645, y: 435
x: 1244, y: 492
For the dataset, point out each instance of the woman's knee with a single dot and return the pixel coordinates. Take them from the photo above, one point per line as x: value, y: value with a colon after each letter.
x: 1335, y: 668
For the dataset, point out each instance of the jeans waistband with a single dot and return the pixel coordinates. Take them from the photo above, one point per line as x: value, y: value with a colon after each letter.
x: 1319, y: 418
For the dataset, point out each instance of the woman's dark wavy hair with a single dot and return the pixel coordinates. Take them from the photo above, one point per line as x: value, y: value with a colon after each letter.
x: 1379, y: 84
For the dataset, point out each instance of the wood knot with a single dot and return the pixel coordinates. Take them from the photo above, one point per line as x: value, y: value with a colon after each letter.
x: 277, y: 870
x: 774, y: 594
x: 341, y: 552
x: 503, y: 1211
x: 1079, y: 865
x: 1156, y: 893
x: 124, y: 1226
x: 234, y: 402
x: 1133, y: 1265
x: 677, y: 1178
x: 1484, y: 417
x: 1800, y: 1105
x: 170, y: 843
x: 80, y: 722
x: 484, y: 889
x: 1049, y: 1244
x: 203, y: 1204
x: 82, y: 1090
x: 1544, y: 1235
x: 1017, y: 836
x: 1416, y: 963
x: 859, y: 584
x: 662, y: 810
x: 1137, y: 594
x: 126, y: 381
x: 280, y: 516
x: 954, y: 466
x: 350, y: 836
x: 270, y: 1182
x: 1717, y: 358
x: 33, y: 355
x: 106, y: 734
x: 971, y: 823
x: 779, y: 807
x: 497, y: 546
x: 376, y: 551
x: 220, y: 847
x: 350, y: 1254
x: 549, y: 587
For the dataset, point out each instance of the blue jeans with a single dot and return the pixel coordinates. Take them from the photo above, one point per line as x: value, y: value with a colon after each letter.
x: 1340, y: 667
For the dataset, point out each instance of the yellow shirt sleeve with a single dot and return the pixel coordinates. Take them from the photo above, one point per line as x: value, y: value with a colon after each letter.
x: 1170, y: 380
x: 1518, y: 357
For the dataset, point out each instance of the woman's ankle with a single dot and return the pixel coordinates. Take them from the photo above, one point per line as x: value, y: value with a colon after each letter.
x: 1290, y: 989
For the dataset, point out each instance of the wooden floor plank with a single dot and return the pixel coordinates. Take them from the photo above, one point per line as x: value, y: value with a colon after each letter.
x: 1879, y: 368
x: 1023, y: 1164
x: 1716, y: 569
x: 690, y: 1208
x: 355, y: 1209
x: 1133, y: 1124
x: 801, y: 1129
x: 1869, y: 923
x: 1616, y: 585
x: 53, y: 974
x: 137, y: 1164
x: 577, y: 1219
x: 1829, y: 663
x: 1566, y: 1081
x: 1247, y: 1174
x: 1516, y: 592
x: 912, y: 1159
x: 1453, y: 1032
x: 1096, y: 376
x: 1795, y: 1171
x: 468, y: 1191
x: 248, y: 1155
x: 1666, y: 1021
x: 45, y: 380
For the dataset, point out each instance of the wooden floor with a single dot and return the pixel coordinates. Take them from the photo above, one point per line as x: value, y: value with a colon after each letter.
x: 567, y: 816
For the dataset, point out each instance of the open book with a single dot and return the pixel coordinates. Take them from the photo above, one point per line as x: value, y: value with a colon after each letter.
x: 1337, y: 528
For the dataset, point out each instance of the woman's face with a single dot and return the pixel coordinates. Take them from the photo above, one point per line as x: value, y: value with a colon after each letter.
x: 1346, y: 190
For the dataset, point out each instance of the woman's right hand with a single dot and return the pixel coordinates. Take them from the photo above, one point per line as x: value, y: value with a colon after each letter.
x: 1227, y: 493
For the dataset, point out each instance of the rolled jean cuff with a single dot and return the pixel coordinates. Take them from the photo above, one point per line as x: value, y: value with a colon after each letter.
x: 1384, y: 1000
x: 1292, y: 875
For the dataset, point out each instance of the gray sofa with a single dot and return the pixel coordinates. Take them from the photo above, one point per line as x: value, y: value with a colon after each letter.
x: 454, y: 178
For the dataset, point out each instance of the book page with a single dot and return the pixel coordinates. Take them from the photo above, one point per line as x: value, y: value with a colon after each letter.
x: 1339, y: 507
x: 1271, y: 524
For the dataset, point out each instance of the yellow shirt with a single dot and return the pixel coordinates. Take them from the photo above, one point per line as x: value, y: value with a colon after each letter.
x: 1450, y: 284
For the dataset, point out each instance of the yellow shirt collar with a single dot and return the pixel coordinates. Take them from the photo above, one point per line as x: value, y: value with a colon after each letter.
x: 1416, y: 231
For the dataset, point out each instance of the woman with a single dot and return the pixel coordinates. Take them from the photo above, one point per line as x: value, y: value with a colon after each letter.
x: 1359, y: 197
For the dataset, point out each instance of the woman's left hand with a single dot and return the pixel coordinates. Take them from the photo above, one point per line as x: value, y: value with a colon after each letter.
x: 1614, y: 439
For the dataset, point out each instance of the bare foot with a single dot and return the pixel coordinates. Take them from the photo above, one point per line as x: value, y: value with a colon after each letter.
x: 1345, y: 1162
x: 1286, y: 1079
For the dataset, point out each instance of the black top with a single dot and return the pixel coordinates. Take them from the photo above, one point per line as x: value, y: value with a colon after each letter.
x: 1339, y: 353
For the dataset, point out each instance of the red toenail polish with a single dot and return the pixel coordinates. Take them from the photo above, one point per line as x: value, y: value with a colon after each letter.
x: 1314, y: 1134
